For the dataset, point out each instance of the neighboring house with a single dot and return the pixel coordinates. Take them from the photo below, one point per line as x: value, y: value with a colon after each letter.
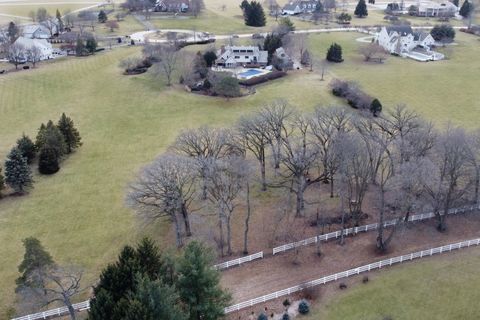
x: 241, y: 56
x: 402, y: 41
x: 283, y: 59
x: 46, y: 49
x: 35, y: 31
x: 435, y: 9
x: 172, y: 5
x: 299, y: 6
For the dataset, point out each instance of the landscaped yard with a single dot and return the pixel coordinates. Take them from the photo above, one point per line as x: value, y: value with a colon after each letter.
x: 125, y: 121
x: 439, y: 288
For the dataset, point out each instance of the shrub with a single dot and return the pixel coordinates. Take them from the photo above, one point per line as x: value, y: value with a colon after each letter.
x: 334, y: 53
x: 262, y: 316
x: 303, y: 307
x: 286, y: 303
x: 375, y: 107
x: 285, y: 316
x: 443, y: 33
x: 48, y: 161
x: 263, y: 78
x: 342, y: 286
x: 365, y: 279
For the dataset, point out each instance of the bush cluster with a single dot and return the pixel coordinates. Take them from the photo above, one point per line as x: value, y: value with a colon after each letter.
x: 303, y: 307
x: 263, y: 78
x: 355, y: 97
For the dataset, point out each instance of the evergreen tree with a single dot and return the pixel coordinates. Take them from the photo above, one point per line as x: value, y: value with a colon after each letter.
x: 466, y: 9
x: 200, y: 65
x: 50, y: 136
x: 48, y: 161
x: 70, y: 133
x: 443, y: 33
x: 12, y: 32
x: 91, y: 45
x: 102, y: 17
x: 59, y: 21
x: 286, y: 25
x: 27, y: 148
x: 2, y: 182
x: 254, y: 14
x: 334, y: 53
x: 35, y: 257
x: 210, y: 57
x: 456, y: 3
x: 227, y: 86
x: 271, y: 43
x: 198, y: 284
x: 361, y: 9
x: 17, y: 172
x: 245, y: 5
x: 375, y: 107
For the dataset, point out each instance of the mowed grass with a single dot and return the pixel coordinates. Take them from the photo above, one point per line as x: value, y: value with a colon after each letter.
x: 79, y: 213
x: 125, y: 121
x: 439, y: 288
x: 24, y: 9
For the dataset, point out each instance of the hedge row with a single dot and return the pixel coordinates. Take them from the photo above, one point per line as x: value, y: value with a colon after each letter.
x: 263, y: 78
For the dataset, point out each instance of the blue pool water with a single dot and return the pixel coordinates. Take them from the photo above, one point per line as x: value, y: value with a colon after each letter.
x: 250, y: 73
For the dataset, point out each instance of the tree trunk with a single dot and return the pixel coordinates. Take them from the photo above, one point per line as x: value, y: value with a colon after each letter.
x: 299, y: 194
x: 186, y: 220
x: 331, y: 186
x: 178, y: 232
x: 319, y: 252
x: 342, y: 233
x: 71, y: 310
x: 220, y: 230
x: 262, y: 169
x: 380, y: 243
x: 229, y: 236
x: 247, y: 220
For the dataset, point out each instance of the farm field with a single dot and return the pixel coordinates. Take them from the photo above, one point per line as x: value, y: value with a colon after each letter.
x: 438, y: 288
x: 125, y: 121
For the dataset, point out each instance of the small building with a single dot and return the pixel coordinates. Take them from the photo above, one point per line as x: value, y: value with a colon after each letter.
x: 46, y: 49
x: 172, y: 5
x: 299, y: 6
x: 283, y: 60
x: 241, y: 56
x: 35, y: 31
x: 436, y: 9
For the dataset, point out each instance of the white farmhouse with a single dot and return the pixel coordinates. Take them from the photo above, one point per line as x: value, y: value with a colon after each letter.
x: 46, y: 49
x: 241, y: 56
x: 402, y: 41
x: 299, y: 6
x: 436, y: 9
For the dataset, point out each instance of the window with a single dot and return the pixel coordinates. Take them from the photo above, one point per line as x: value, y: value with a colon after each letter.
x: 237, y: 57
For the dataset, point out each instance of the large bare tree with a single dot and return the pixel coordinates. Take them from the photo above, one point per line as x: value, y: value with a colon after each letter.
x: 165, y: 188
x: 167, y: 56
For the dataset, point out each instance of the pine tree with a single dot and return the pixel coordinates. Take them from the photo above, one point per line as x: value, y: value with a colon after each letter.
x: 12, y: 32
x: 466, y: 9
x: 198, y: 284
x: 70, y: 133
x: 79, y: 47
x: 17, y: 172
x: 254, y: 15
x: 210, y: 57
x: 91, y: 45
x: 2, y: 182
x: 59, y: 21
x: 456, y: 3
x: 361, y: 9
x: 375, y: 107
x: 48, y: 161
x: 27, y: 148
x: 102, y: 17
x: 35, y: 257
x: 334, y: 53
x: 50, y: 136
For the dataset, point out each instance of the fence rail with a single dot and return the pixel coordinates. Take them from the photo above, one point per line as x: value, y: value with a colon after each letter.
x: 239, y: 261
x: 354, y: 271
x: 364, y: 228
x: 85, y: 305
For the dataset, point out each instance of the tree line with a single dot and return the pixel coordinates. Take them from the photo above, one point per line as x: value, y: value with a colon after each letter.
x: 53, y: 142
x: 143, y: 283
x: 397, y: 153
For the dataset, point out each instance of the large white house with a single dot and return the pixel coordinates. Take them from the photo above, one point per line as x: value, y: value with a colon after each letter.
x: 436, y: 9
x: 402, y: 41
x: 241, y: 56
x: 299, y: 6
x: 46, y: 49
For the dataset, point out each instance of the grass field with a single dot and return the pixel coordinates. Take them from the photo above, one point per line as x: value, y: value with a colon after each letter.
x: 79, y: 213
x: 440, y: 288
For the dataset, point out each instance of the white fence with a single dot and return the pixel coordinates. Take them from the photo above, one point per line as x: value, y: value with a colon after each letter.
x: 85, y: 305
x: 239, y: 261
x: 364, y: 228
x: 351, y: 272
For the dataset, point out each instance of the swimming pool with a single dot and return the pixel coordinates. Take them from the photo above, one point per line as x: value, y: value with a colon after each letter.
x: 250, y: 73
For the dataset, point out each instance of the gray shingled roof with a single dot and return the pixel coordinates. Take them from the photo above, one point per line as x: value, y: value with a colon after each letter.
x: 403, y: 30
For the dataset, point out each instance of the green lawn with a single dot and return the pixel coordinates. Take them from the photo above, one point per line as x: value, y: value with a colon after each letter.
x: 440, y: 288
x: 125, y: 121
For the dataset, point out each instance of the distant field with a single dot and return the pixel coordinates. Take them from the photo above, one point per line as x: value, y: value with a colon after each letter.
x: 439, y: 288
x: 23, y: 8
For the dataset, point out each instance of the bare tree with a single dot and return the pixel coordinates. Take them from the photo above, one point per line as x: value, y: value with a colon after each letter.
x: 206, y: 145
x: 225, y: 183
x: 16, y: 54
x: 474, y: 162
x: 34, y: 54
x: 373, y: 52
x: 196, y: 6
x: 276, y: 116
x: 168, y: 62
x: 53, y: 284
x: 165, y: 188
x: 253, y: 135
x: 327, y: 126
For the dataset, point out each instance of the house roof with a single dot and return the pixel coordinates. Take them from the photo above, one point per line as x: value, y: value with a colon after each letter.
x: 290, y: 6
x: 420, y: 36
x: 402, y: 30
x: 29, y: 43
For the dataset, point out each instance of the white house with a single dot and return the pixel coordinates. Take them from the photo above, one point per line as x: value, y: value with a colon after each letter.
x: 299, y: 6
x: 46, y: 49
x: 241, y: 56
x: 436, y: 9
x: 35, y: 31
x: 172, y: 5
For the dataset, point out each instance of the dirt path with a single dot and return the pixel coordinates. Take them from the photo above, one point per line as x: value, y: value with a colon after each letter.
x: 279, y: 272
